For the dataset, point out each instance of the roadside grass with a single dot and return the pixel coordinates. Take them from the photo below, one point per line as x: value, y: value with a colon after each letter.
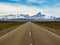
x: 52, y: 24
x: 5, y: 25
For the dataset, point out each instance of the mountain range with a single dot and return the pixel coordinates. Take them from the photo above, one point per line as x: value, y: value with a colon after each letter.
x: 26, y: 17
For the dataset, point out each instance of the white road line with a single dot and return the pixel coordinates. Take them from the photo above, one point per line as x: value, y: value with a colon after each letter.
x: 30, y: 44
x: 29, y: 33
x: 14, y: 30
x: 50, y: 32
x: 47, y: 31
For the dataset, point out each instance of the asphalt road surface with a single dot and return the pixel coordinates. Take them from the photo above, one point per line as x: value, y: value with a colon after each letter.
x: 30, y: 34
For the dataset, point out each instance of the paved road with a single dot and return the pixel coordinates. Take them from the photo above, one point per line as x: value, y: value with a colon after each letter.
x: 30, y: 34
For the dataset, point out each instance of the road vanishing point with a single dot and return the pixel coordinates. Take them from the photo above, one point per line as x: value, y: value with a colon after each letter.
x: 30, y: 34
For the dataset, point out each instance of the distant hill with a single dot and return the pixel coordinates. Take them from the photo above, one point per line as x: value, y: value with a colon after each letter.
x: 26, y: 17
x: 58, y: 19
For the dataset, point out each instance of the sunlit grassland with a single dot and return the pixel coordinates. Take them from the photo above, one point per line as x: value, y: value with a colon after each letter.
x: 52, y: 24
x: 5, y: 25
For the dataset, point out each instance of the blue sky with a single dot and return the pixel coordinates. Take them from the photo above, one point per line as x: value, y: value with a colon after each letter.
x: 37, y: 3
x: 31, y: 7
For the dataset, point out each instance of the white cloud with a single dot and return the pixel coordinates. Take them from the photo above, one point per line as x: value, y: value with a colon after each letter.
x: 53, y: 11
x: 8, y: 9
x: 22, y: 9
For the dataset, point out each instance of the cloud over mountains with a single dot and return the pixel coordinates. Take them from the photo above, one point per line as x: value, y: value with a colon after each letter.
x: 30, y: 7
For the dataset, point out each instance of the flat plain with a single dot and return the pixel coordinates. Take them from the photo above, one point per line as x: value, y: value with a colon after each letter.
x: 53, y: 26
x: 6, y: 26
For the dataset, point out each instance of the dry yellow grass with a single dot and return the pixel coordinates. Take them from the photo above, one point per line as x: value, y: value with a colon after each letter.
x: 4, y: 25
x: 55, y: 25
x: 51, y: 26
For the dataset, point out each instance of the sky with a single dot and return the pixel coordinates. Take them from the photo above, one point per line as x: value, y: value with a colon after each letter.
x: 31, y: 7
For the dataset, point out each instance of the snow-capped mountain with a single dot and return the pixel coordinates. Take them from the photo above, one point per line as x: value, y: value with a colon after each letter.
x: 36, y: 17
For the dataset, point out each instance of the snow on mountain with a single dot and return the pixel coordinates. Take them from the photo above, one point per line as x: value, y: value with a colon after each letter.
x: 37, y: 16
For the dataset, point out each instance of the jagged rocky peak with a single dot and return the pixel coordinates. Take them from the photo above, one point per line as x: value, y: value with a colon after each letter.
x: 39, y: 13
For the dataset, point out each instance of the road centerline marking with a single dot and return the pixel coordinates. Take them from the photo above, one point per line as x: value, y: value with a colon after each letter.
x: 29, y: 33
x: 30, y: 44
